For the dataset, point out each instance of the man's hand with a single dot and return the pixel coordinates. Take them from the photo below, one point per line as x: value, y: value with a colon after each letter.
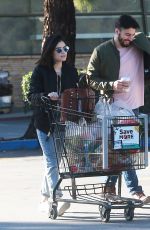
x: 120, y: 86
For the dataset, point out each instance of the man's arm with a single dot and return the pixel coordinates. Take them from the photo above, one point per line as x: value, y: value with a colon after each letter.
x: 96, y: 80
x: 96, y: 71
x: 142, y: 42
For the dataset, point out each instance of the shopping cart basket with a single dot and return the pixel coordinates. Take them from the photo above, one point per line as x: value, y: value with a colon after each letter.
x: 88, y: 146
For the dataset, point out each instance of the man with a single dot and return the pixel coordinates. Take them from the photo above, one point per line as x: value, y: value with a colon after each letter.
x: 117, y: 67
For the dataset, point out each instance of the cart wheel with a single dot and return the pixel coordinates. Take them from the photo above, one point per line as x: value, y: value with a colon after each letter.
x: 104, y: 214
x: 53, y: 212
x: 129, y: 213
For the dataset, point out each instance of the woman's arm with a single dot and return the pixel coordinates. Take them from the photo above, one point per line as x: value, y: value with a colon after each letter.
x: 36, y: 90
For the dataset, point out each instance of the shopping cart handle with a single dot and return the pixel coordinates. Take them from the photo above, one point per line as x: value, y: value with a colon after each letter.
x: 46, y: 102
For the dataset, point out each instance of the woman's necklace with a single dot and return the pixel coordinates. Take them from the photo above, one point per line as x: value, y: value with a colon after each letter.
x: 58, y: 71
x: 58, y: 82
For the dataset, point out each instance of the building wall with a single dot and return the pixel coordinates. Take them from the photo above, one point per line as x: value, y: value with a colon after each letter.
x: 17, y: 66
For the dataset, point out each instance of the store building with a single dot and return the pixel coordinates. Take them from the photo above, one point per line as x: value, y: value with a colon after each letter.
x: 21, y: 32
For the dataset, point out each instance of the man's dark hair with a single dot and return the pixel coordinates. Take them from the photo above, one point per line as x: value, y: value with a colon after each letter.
x: 126, y: 22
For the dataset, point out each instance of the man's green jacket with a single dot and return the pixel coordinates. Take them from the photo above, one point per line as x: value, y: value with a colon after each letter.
x: 104, y: 64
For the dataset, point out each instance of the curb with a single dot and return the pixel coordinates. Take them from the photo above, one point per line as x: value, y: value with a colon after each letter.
x: 19, y: 144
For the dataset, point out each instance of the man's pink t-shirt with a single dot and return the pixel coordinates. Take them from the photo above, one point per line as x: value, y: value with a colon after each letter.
x: 132, y: 67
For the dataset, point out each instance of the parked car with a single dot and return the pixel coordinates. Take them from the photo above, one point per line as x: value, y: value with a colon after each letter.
x: 6, y: 90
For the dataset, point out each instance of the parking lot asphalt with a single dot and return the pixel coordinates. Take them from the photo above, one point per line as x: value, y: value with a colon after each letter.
x: 20, y: 177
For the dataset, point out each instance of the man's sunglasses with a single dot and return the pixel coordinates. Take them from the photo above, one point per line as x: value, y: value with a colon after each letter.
x: 60, y: 50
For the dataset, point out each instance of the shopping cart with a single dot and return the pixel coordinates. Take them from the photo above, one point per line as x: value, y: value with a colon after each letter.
x: 90, y: 146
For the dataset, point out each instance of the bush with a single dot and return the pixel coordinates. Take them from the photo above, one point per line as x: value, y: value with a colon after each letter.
x: 25, y: 89
x: 25, y: 85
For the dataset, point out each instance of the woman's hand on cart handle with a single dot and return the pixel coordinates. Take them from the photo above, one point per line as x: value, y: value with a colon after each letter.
x: 53, y: 96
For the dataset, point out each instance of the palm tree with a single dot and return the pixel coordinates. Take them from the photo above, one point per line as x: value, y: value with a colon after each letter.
x: 59, y: 18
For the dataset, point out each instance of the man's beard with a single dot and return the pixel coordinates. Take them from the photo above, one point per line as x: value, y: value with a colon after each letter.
x: 121, y: 41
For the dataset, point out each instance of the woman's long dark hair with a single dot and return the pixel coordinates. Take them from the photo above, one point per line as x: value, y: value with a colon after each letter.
x: 48, y: 48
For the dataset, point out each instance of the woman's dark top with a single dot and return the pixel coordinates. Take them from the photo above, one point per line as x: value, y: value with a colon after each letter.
x: 44, y: 80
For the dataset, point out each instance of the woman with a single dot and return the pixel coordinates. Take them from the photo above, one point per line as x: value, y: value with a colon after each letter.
x: 51, y: 77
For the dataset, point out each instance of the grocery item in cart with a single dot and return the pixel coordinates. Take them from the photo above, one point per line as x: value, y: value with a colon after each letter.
x: 83, y: 144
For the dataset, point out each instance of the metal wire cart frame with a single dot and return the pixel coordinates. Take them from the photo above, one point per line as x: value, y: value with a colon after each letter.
x: 89, y: 146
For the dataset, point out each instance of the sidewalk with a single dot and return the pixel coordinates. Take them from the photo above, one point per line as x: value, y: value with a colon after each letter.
x: 20, y: 176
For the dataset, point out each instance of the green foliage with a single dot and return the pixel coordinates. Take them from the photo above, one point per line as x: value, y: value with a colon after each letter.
x: 25, y: 85
x: 84, y: 5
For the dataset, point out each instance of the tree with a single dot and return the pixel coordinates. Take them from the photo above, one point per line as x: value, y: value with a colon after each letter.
x: 59, y: 18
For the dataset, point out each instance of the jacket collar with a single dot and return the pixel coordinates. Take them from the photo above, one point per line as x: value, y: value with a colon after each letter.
x: 112, y: 41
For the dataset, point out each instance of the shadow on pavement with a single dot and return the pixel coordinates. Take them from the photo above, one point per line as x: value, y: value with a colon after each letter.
x: 71, y: 224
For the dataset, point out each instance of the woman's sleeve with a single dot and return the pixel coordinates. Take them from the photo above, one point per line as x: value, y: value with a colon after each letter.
x: 36, y: 89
